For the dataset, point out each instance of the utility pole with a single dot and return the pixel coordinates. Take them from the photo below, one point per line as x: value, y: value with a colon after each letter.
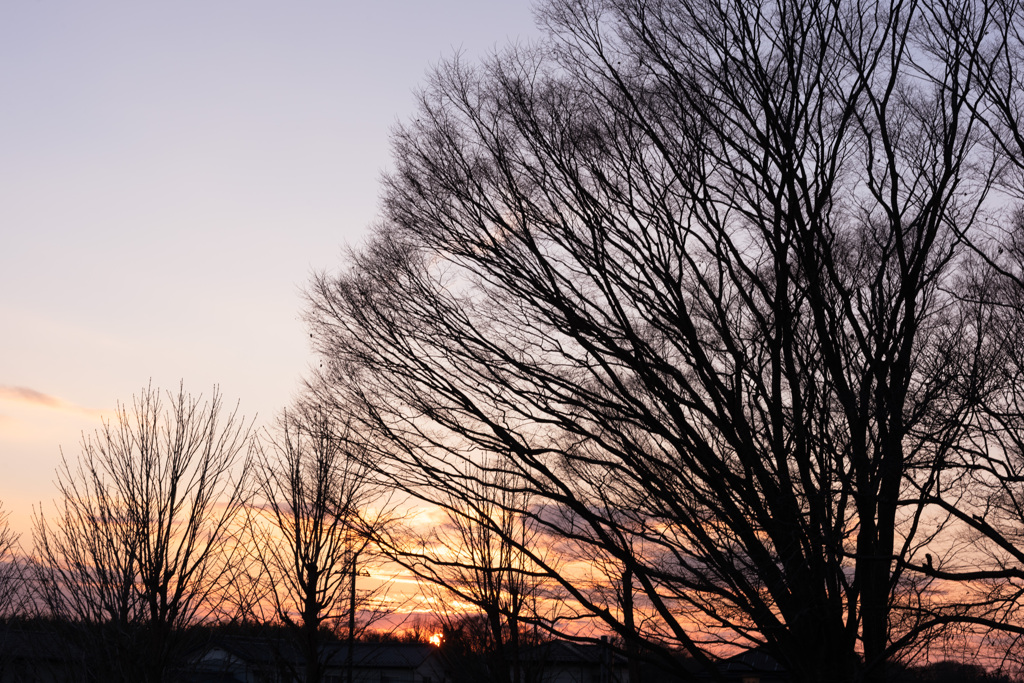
x: 350, y: 663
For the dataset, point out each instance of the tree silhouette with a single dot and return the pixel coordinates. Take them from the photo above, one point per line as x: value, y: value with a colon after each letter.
x: 137, y: 550
x: 475, y: 557
x: 12, y: 582
x: 691, y: 272
x: 316, y: 508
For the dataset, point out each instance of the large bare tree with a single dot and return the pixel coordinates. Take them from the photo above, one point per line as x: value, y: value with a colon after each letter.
x: 138, y: 546
x: 690, y: 270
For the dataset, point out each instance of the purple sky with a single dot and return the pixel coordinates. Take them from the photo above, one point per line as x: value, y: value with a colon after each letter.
x: 170, y: 175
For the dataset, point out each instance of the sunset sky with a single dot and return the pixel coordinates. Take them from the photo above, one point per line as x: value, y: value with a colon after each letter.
x: 170, y: 175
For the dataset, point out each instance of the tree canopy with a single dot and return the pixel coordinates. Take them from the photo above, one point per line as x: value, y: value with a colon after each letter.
x: 731, y: 291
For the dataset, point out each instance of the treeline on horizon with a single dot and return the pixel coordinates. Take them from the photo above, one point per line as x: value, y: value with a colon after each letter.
x: 698, y: 323
x: 466, y: 657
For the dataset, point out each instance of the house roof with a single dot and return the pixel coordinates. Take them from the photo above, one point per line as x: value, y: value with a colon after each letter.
x: 751, y: 661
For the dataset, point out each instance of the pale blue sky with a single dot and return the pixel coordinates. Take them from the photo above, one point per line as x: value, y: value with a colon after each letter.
x: 170, y: 174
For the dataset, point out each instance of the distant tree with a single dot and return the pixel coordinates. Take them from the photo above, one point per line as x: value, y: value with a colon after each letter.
x: 316, y: 506
x: 12, y: 582
x: 135, y: 553
x: 14, y: 598
x: 952, y: 672
x: 691, y: 270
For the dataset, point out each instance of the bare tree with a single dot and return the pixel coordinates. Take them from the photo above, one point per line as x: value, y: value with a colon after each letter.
x: 14, y: 596
x: 982, y: 486
x: 12, y: 584
x: 135, y: 552
x: 981, y: 483
x: 313, y: 517
x: 690, y: 269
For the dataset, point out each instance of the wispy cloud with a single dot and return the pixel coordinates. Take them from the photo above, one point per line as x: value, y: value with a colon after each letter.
x: 38, y: 398
x: 26, y: 395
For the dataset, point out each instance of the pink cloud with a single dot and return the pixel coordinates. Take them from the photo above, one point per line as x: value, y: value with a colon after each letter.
x: 38, y: 398
x: 26, y: 395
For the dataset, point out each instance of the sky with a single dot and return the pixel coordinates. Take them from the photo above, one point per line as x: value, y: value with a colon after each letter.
x: 170, y: 176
